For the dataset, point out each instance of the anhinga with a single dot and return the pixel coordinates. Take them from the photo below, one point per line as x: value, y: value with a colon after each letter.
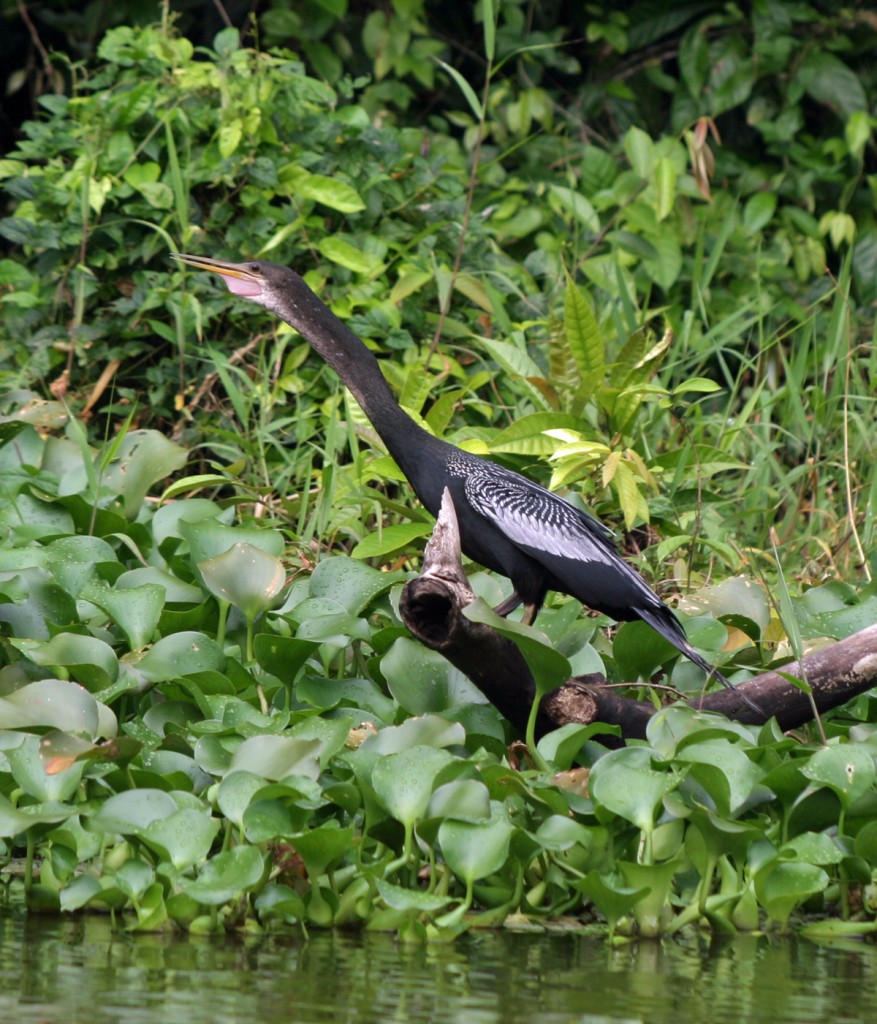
x: 507, y: 523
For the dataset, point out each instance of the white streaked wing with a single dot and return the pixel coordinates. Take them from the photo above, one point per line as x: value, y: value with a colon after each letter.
x: 536, y: 519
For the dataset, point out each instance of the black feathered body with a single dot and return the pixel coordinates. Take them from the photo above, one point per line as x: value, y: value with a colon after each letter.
x: 538, y: 540
x: 507, y: 523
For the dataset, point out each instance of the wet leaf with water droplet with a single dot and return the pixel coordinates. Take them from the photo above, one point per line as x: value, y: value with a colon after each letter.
x: 245, y: 576
x: 226, y: 876
x: 845, y: 768
x: 404, y: 781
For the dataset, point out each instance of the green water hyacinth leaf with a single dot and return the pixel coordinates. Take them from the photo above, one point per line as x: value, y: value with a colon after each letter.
x: 639, y: 650
x: 14, y: 559
x: 390, y: 539
x: 226, y: 876
x: 283, y: 656
x: 135, y: 610
x: 30, y: 599
x: 561, y: 746
x: 59, y: 704
x: 323, y: 846
x: 353, y: 693
x: 625, y: 783
x: 275, y: 757
x: 549, y: 667
x: 176, y: 768
x: 404, y: 781
x: 209, y: 537
x: 710, y: 836
x: 866, y: 843
x: 352, y: 584
x: 677, y: 725
x: 266, y: 820
x: 786, y: 885
x: 330, y: 733
x: 178, y: 655
x: 831, y: 610
x: 845, y: 768
x: 16, y: 820
x: 79, y: 892
x: 424, y: 682
x: 398, y: 898
x: 176, y: 591
x: 235, y: 793
x: 475, y: 850
x: 246, y: 576
x: 184, y: 838
x: 561, y: 833
x: 610, y: 896
x: 129, y: 813
x: 279, y: 902
x: 812, y: 848
x: 168, y: 521
x: 134, y: 877
x: 29, y: 771
x: 324, y: 620
x: 25, y: 519
x: 92, y: 662
x: 73, y: 561
x: 657, y: 880
x: 428, y: 730
x: 143, y: 458
x: 213, y: 754
x: 462, y: 799
x: 152, y: 911
x: 724, y: 771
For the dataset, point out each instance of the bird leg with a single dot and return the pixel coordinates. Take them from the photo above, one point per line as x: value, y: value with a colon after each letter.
x: 504, y: 608
x: 530, y: 613
x: 513, y: 601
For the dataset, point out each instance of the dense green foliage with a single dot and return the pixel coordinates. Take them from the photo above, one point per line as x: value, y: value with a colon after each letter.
x: 218, y: 747
x: 453, y: 229
x: 635, y: 255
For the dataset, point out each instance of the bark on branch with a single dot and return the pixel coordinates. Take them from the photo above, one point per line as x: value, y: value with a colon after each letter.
x: 432, y: 609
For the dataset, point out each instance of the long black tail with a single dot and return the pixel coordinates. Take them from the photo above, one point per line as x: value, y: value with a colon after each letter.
x: 663, y: 621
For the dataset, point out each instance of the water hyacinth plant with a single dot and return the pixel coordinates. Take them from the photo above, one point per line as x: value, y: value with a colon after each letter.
x: 187, y: 744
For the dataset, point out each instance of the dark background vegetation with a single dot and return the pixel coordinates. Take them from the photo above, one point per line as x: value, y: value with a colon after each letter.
x: 764, y: 162
x: 629, y: 249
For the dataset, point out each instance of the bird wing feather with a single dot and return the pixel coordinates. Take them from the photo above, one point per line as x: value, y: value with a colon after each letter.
x: 535, y: 519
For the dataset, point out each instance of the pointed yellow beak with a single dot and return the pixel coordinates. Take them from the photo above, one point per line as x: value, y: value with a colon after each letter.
x: 244, y: 279
x: 239, y: 270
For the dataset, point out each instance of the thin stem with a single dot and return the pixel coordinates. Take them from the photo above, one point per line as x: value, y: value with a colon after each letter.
x: 467, y: 212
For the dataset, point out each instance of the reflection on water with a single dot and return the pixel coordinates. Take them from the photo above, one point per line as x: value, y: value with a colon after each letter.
x: 79, y: 972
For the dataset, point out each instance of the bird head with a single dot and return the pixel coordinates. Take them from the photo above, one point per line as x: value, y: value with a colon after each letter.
x: 282, y: 292
x: 267, y: 284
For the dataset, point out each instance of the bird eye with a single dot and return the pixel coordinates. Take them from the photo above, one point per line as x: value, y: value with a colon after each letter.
x: 255, y: 267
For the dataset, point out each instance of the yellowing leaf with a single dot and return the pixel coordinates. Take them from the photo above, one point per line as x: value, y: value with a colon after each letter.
x: 330, y: 192
x: 230, y: 137
x: 665, y: 187
x: 347, y: 256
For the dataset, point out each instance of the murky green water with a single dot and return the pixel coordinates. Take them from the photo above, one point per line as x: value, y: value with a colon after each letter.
x: 79, y: 972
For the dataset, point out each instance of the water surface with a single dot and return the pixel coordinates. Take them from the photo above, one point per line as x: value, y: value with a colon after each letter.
x: 79, y: 971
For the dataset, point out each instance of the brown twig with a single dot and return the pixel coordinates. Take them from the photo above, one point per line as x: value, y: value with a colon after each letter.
x: 35, y: 37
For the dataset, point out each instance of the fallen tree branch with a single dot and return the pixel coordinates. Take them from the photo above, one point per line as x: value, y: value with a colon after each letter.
x: 432, y: 609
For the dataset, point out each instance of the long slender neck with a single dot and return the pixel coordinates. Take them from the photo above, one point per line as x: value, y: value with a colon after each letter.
x: 358, y: 369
